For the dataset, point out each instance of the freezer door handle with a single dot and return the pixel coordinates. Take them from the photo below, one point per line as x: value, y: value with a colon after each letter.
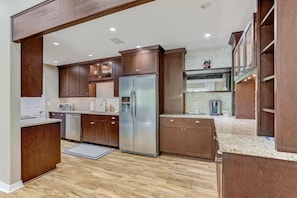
x: 134, y: 104
x: 131, y: 102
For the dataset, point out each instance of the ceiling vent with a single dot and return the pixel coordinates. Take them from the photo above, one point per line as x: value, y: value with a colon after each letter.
x: 117, y: 41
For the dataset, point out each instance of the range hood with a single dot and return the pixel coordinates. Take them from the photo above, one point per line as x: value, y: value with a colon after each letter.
x: 204, y: 72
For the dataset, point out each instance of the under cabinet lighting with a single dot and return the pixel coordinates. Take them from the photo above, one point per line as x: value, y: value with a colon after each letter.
x: 56, y: 61
x: 56, y: 43
x: 207, y: 35
x: 90, y: 55
x: 138, y: 46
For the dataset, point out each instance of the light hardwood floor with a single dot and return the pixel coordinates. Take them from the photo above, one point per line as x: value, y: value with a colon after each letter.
x: 121, y: 175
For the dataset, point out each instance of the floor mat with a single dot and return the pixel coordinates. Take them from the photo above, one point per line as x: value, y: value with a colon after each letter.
x: 89, y: 151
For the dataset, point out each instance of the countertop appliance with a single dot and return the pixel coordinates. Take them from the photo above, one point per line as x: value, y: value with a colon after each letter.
x: 215, y: 107
x: 138, y: 125
x: 73, y: 126
x: 66, y: 106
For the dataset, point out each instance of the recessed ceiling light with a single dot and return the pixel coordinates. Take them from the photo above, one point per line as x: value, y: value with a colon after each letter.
x: 112, y: 29
x: 207, y: 35
x: 206, y: 5
x: 90, y: 55
x: 56, y: 61
x: 56, y: 43
x: 138, y: 46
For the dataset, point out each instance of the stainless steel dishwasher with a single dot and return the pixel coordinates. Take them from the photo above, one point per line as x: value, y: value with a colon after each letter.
x: 73, y: 126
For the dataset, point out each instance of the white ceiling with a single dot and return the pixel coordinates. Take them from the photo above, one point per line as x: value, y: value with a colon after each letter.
x: 170, y: 23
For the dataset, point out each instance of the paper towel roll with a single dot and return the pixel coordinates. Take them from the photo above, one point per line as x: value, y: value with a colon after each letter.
x: 92, y: 106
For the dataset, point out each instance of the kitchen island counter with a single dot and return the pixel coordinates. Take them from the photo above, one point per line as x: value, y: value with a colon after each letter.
x: 38, y: 121
x: 88, y: 112
x: 238, y: 136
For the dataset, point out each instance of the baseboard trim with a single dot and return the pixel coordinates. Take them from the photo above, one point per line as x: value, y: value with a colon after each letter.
x: 10, y: 188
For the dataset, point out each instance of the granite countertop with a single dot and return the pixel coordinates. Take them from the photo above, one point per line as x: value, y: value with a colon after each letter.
x: 38, y: 121
x: 89, y: 112
x: 238, y: 136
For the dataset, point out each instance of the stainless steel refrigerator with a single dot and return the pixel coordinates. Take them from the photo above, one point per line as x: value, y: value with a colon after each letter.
x: 139, y: 114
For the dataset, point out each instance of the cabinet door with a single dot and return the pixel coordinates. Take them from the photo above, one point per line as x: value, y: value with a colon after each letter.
x: 147, y: 62
x: 101, y: 136
x: 84, y: 71
x: 74, y: 81
x: 174, y: 82
x: 199, y: 141
x: 171, y: 136
x: 61, y: 116
x: 32, y: 67
x: 129, y: 62
x: 117, y: 72
x: 63, y: 82
x: 88, y: 128
x: 113, y: 133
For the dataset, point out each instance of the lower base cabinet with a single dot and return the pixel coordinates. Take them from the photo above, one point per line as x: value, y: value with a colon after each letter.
x: 188, y: 137
x: 100, y: 129
x: 40, y: 150
x: 258, y: 177
x: 61, y: 116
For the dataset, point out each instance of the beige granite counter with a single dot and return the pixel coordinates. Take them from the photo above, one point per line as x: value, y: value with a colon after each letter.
x: 238, y: 136
x: 38, y: 121
x: 88, y: 112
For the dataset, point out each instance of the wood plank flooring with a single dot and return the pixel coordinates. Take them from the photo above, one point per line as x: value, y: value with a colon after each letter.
x: 121, y: 175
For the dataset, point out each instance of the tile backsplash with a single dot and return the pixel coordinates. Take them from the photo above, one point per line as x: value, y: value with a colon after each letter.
x: 32, y: 106
x: 199, y: 101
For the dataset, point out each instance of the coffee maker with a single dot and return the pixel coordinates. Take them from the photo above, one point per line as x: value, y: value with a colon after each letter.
x: 215, y: 107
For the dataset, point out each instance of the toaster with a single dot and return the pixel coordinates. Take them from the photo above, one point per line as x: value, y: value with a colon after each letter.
x: 66, y: 106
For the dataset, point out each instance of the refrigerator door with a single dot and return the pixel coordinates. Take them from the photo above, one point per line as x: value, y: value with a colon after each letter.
x: 145, y: 124
x: 125, y: 111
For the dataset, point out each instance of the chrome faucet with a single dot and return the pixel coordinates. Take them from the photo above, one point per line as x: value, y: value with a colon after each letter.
x: 105, y: 104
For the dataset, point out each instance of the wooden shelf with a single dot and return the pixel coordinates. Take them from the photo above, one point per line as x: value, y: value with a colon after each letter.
x: 272, y: 77
x: 269, y: 17
x: 268, y: 49
x: 268, y: 110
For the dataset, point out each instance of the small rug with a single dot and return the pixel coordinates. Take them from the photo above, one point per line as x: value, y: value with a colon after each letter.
x: 89, y: 151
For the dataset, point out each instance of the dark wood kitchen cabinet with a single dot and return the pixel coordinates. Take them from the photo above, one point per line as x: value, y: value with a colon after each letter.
x: 100, y: 129
x: 40, y: 150
x: 146, y: 60
x: 107, y: 69
x: 257, y: 177
x: 174, y: 81
x: 188, y: 137
x: 74, y: 81
x: 61, y: 116
x: 32, y: 67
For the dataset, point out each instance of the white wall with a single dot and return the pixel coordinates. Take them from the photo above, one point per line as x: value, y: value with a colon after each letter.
x: 51, y: 87
x: 10, y: 157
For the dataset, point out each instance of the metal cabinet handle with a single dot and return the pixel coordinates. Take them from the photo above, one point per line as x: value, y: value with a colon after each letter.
x: 53, y: 114
x: 197, y: 121
x: 171, y: 120
x: 113, y: 118
x: 61, y: 115
x: 138, y: 70
x: 92, y: 123
x: 112, y: 122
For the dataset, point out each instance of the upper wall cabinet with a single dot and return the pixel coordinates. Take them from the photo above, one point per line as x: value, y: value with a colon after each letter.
x: 142, y: 61
x: 74, y: 81
x: 244, y: 54
x: 107, y: 69
x: 31, y: 67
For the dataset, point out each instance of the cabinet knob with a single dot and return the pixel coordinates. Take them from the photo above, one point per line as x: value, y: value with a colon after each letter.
x: 92, y: 123
x: 53, y: 114
x: 197, y: 121
x: 112, y: 122
x: 171, y: 120
x: 113, y: 118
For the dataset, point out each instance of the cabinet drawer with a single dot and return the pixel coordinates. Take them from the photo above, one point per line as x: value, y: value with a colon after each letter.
x: 93, y: 117
x: 192, y: 122
x: 112, y: 118
x: 171, y: 121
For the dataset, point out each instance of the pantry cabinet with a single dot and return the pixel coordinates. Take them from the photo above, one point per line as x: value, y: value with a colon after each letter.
x: 188, y: 137
x: 100, y: 129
